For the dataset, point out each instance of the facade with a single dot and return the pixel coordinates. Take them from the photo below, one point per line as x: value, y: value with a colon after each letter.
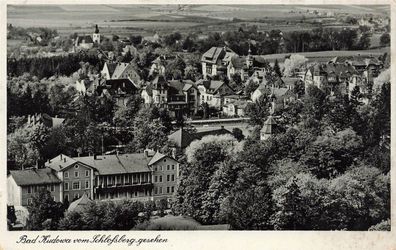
x: 246, y: 66
x: 121, y: 90
x: 96, y: 35
x: 215, y: 60
x: 212, y: 92
x: 23, y: 184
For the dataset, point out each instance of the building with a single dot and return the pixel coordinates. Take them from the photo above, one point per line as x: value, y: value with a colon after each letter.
x: 112, y: 71
x: 269, y: 128
x: 140, y: 176
x: 108, y: 70
x: 215, y: 60
x: 45, y: 119
x: 77, y: 178
x: 96, y: 35
x: 158, y: 66
x: 212, y: 92
x: 121, y: 90
x: 246, y: 66
x: 22, y: 185
x: 84, y: 42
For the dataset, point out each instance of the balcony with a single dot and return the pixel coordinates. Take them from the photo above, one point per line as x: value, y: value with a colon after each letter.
x: 123, y: 185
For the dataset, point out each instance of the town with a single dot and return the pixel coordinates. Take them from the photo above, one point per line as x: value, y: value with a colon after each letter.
x: 244, y: 129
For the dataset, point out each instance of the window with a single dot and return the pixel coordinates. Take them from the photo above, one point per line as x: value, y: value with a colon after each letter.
x: 76, y: 185
x: 160, y: 168
x: 66, y: 197
x: 155, y: 178
x: 173, y: 177
x: 66, y: 174
x: 167, y: 190
x: 52, y: 188
x: 155, y: 168
x: 29, y: 189
x: 173, y: 167
x: 29, y: 201
x: 76, y: 167
x: 86, y: 184
x: 168, y: 177
x: 173, y: 189
x: 168, y: 167
x: 164, y: 160
x: 86, y: 173
x: 76, y: 196
x: 160, y: 190
x: 160, y: 178
x: 155, y: 190
x: 76, y: 174
x: 66, y: 186
x: 35, y: 189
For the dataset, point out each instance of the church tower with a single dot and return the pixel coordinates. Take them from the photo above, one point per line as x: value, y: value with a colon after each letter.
x: 96, y: 35
x: 249, y: 58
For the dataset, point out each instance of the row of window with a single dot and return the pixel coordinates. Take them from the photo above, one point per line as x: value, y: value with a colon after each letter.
x: 161, y: 168
x: 158, y: 178
x: 35, y: 189
x: 159, y: 190
x: 75, y: 185
x: 77, y: 174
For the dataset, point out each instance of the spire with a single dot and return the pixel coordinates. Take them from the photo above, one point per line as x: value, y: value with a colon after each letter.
x: 249, y: 51
x: 96, y: 29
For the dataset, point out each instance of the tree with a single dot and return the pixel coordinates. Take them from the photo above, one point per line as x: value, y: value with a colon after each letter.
x: 44, y: 212
x: 250, y: 87
x: 276, y: 68
x: 237, y: 133
x: 259, y: 110
x: 294, y: 62
x: 385, y: 39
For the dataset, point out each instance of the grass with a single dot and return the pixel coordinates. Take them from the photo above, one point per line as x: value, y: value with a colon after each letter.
x: 171, y: 223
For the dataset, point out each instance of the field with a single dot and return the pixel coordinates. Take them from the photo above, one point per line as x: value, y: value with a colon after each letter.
x: 147, y: 19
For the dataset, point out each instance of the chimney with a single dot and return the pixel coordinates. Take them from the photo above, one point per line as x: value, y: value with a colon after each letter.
x: 61, y: 156
x: 64, y: 159
x: 95, y: 157
x: 222, y: 127
x: 145, y: 153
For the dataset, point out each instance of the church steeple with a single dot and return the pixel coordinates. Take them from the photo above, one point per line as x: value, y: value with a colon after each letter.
x: 249, y: 58
x: 96, y: 35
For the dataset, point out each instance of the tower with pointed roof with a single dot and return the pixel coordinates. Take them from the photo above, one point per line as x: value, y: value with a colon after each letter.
x: 249, y: 58
x: 269, y: 128
x: 96, y: 35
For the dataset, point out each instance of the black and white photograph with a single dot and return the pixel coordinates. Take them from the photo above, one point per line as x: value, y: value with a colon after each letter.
x: 191, y: 117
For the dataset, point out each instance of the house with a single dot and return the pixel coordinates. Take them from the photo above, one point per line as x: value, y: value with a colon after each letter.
x: 269, y: 128
x: 182, y: 138
x: 215, y: 60
x: 183, y: 98
x: 246, y: 66
x: 22, y: 185
x: 140, y: 176
x: 80, y: 204
x: 108, y: 70
x: 124, y: 71
x: 158, y: 66
x: 212, y: 92
x: 341, y: 77
x: 280, y: 98
x: 77, y: 178
x: 84, y: 42
x: 96, y: 35
x: 121, y: 90
x: 235, y: 108
x: 45, y: 119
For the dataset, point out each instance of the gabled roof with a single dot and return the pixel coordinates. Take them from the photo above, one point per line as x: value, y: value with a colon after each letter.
x: 157, y: 157
x: 268, y: 127
x: 217, y: 53
x: 60, y: 162
x: 120, y: 69
x: 117, y: 164
x: 159, y: 82
x: 115, y: 85
x: 279, y: 92
x: 79, y: 204
x: 41, y: 176
x: 111, y: 68
x: 87, y: 38
x: 182, y: 138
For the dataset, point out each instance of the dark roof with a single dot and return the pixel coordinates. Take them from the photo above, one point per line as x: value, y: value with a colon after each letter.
x: 35, y: 177
x: 213, y: 86
x: 86, y: 39
x: 111, y: 67
x: 239, y: 62
x: 60, y: 162
x: 269, y: 124
x: 182, y: 138
x: 159, y: 82
x: 114, y: 86
x: 216, y: 53
x: 117, y: 164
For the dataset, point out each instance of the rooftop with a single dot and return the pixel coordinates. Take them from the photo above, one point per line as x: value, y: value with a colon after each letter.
x: 39, y: 176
